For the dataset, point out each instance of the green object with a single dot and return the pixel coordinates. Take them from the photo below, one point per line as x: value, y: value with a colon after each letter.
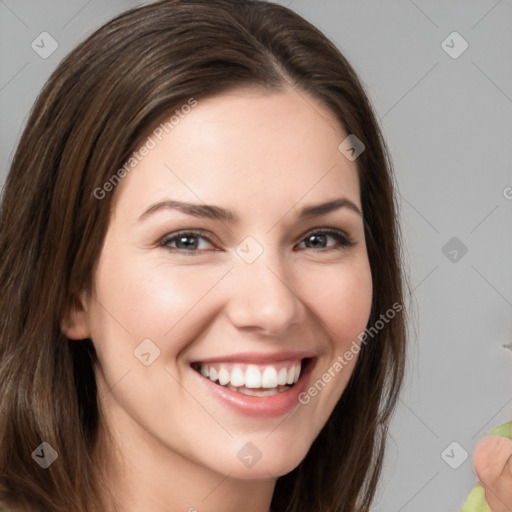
x: 504, y: 430
x: 475, y: 502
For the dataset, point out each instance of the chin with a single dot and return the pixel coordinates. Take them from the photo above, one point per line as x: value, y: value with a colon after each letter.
x: 273, y: 465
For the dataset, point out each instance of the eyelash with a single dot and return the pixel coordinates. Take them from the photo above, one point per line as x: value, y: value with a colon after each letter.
x: 343, y: 240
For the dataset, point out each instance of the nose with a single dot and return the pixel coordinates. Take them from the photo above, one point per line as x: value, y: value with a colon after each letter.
x: 263, y: 296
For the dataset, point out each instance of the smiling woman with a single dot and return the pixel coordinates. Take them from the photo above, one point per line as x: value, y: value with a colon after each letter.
x: 157, y: 336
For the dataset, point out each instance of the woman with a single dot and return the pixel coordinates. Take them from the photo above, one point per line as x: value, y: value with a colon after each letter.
x: 201, y: 286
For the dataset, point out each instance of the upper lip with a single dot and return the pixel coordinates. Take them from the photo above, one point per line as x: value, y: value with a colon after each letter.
x: 258, y: 357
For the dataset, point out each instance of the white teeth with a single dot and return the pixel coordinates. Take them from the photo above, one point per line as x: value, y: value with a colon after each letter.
x: 269, y: 378
x: 223, y: 376
x: 253, y: 377
x: 213, y: 374
x: 282, y: 377
x: 296, y: 375
x: 237, y: 377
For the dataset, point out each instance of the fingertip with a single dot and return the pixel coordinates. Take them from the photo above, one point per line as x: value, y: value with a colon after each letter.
x: 492, y: 457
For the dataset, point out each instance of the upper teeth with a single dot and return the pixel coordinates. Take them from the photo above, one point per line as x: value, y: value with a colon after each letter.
x: 252, y: 376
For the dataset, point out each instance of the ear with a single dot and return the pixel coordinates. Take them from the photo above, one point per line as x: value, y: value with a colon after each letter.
x: 75, y: 322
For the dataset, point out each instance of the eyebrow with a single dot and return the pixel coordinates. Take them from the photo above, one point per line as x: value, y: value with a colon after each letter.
x: 217, y: 213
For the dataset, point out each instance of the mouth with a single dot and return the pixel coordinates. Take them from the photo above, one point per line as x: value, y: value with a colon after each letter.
x: 257, y: 380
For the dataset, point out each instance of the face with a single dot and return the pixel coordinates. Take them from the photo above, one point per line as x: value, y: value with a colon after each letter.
x: 204, y: 317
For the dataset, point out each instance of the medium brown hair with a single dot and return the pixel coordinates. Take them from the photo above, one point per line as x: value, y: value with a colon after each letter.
x: 95, y: 110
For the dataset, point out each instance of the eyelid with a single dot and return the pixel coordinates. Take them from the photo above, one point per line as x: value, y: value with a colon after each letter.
x: 333, y: 232
x: 196, y: 232
x: 326, y: 230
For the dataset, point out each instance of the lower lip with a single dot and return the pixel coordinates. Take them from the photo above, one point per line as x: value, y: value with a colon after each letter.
x: 264, y: 406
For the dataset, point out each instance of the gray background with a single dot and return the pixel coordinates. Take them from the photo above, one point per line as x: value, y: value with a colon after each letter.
x: 448, y: 123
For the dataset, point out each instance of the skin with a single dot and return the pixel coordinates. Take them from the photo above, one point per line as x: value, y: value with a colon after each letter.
x: 265, y: 156
x: 492, y: 460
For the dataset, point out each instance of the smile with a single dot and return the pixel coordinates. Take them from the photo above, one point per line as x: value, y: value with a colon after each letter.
x: 254, y: 379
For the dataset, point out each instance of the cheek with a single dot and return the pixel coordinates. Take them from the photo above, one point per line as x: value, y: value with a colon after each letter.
x: 342, y: 299
x: 342, y: 302
x: 141, y: 299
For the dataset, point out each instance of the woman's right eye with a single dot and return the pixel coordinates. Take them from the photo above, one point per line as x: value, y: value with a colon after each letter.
x: 185, y: 241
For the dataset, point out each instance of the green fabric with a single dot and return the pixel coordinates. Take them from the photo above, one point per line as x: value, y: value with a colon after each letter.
x: 475, y: 502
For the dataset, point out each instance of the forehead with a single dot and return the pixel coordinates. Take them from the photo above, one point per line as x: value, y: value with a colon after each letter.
x: 244, y: 147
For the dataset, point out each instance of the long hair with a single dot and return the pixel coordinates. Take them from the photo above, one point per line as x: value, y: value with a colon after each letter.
x: 93, y: 113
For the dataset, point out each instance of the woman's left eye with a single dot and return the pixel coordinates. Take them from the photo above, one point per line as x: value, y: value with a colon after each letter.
x: 189, y: 241
x: 321, y: 236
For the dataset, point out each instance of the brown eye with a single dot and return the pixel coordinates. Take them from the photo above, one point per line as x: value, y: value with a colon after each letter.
x: 318, y: 239
x: 185, y: 241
